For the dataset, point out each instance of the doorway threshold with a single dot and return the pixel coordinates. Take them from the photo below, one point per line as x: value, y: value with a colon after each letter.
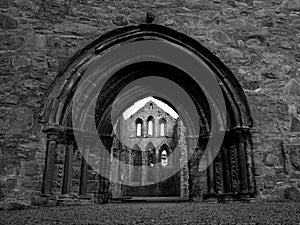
x: 151, y: 199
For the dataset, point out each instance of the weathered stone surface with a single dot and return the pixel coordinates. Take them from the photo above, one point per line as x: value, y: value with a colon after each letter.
x: 221, y: 37
x: 272, y: 160
x: 10, y: 41
x: 295, y: 157
x: 20, y: 61
x: 287, y: 68
x: 286, y: 45
x: 9, y: 99
x: 290, y: 5
x: 292, y: 193
x: 6, y: 22
x: 292, y: 88
x: 295, y: 124
x: 120, y: 20
x: 4, y: 3
x: 257, y: 40
x: 16, y: 120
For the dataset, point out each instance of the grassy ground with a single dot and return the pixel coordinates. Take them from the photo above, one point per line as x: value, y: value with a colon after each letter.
x: 159, y: 213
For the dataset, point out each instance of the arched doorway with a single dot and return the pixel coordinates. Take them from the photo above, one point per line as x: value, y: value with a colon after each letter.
x: 127, y: 55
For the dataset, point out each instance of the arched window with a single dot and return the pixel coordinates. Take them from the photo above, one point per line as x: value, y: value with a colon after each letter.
x: 151, y: 106
x: 139, y: 127
x: 164, y: 158
x: 164, y: 153
x: 150, y: 126
x: 162, y: 127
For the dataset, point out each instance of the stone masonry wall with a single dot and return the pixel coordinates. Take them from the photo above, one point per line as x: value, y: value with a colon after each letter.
x: 128, y: 128
x: 257, y: 40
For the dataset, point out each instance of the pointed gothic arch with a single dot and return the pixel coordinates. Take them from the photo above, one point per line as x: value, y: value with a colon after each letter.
x: 159, y: 51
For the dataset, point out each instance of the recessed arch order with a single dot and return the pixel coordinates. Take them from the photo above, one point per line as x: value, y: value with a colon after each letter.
x: 87, y: 95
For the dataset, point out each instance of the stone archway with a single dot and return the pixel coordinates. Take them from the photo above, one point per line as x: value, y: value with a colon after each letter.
x: 154, y: 50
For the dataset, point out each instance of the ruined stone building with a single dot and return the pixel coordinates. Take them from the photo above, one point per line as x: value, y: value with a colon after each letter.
x: 69, y: 69
x: 148, y: 137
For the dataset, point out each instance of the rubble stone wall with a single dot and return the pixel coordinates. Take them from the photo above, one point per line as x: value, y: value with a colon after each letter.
x: 257, y: 40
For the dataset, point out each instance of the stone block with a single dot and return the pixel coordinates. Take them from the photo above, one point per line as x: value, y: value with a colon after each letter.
x: 269, y: 182
x: 292, y: 193
x: 10, y: 41
x: 6, y: 22
x: 31, y: 168
x: 295, y: 124
x: 20, y: 61
x: 292, y: 88
x: 272, y: 160
x: 290, y: 5
x: 31, y: 185
x: 120, y: 20
x: 4, y: 3
x: 10, y: 99
x: 221, y: 37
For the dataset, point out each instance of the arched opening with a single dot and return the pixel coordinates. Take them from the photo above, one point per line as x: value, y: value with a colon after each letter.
x: 75, y: 107
x: 147, y: 182
x: 162, y: 127
x: 150, y: 123
x: 139, y: 127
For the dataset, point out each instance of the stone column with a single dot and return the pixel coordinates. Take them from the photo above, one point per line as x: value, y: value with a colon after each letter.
x: 103, y: 190
x: 144, y: 167
x: 211, y: 188
x: 84, y: 170
x: 67, y: 180
x: 226, y: 168
x: 219, y: 173
x: 194, y: 154
x: 242, y: 159
x: 55, y: 135
x: 250, y: 145
x: 115, y: 173
x: 233, y: 152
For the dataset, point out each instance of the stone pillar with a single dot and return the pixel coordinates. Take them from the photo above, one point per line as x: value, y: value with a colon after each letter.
x: 250, y: 160
x: 67, y: 180
x: 194, y: 154
x: 242, y: 159
x: 115, y: 173
x: 52, y: 173
x: 233, y: 152
x: 144, y: 167
x: 103, y: 190
x: 211, y: 188
x: 226, y: 168
x: 84, y: 170
x: 158, y: 170
x: 49, y: 167
x: 219, y: 173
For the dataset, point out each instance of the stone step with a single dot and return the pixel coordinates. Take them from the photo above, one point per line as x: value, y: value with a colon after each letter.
x: 156, y: 199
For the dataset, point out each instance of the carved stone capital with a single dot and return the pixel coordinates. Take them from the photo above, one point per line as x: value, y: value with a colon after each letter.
x: 54, y: 132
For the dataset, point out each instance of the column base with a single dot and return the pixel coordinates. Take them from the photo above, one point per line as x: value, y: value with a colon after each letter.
x: 101, y: 198
x: 229, y: 197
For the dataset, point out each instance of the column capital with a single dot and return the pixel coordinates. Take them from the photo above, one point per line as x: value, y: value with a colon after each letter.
x: 54, y: 132
x: 236, y: 132
x: 53, y: 128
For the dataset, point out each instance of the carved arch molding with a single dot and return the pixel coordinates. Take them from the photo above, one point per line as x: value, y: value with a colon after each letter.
x: 155, y: 51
